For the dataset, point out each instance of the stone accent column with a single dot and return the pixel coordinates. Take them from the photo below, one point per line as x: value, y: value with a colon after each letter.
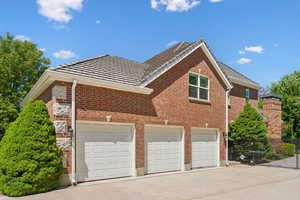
x: 272, y: 111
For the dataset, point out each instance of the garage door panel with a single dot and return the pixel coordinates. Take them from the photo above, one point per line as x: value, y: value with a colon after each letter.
x: 103, y: 152
x: 162, y: 149
x: 204, y: 148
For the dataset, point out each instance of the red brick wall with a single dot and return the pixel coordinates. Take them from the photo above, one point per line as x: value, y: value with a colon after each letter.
x: 238, y: 100
x: 169, y: 101
x: 272, y: 110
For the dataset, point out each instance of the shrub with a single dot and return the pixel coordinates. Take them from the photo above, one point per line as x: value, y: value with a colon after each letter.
x: 30, y: 161
x: 286, y: 149
x: 274, y: 156
x: 249, y: 133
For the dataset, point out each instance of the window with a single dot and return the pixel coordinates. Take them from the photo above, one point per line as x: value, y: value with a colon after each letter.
x: 198, y: 86
x: 247, y: 93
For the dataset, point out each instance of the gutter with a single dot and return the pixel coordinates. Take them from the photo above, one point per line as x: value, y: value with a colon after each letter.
x: 49, y: 76
x: 226, y: 126
x: 74, y: 180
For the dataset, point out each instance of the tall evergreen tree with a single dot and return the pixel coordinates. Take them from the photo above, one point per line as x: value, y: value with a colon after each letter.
x: 249, y: 133
x: 30, y: 161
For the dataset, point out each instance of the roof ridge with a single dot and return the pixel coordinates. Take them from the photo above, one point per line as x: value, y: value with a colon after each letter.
x: 78, y: 62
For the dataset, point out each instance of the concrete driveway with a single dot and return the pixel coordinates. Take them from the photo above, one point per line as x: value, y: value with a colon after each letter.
x: 239, y: 182
x: 285, y: 163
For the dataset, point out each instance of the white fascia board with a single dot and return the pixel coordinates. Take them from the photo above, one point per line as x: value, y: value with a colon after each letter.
x: 42, y: 84
x: 169, y: 66
x: 59, y: 76
x: 50, y: 76
x: 215, y: 64
x: 172, y: 64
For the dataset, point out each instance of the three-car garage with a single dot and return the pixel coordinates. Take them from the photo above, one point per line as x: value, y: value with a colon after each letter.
x: 108, y: 150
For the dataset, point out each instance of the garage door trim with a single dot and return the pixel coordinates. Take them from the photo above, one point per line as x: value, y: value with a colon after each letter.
x: 103, y: 123
x: 182, y: 162
x: 217, y: 131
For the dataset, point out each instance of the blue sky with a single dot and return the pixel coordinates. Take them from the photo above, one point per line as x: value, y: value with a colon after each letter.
x: 259, y: 38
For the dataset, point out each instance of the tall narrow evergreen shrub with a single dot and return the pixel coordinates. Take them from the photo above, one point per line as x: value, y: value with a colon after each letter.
x: 249, y: 133
x: 30, y: 161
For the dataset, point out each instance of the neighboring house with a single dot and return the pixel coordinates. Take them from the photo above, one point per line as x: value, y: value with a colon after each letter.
x: 116, y: 117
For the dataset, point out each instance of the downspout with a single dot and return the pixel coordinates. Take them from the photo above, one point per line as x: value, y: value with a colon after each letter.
x: 226, y: 125
x: 74, y: 180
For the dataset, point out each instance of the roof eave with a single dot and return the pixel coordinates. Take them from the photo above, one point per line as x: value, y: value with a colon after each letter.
x: 256, y: 87
x: 49, y: 76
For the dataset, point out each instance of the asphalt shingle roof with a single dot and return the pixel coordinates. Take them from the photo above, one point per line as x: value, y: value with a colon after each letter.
x: 234, y: 76
x: 121, y: 70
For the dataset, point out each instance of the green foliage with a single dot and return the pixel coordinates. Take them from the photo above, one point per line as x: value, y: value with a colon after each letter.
x: 30, y: 161
x: 21, y: 64
x: 274, y: 156
x: 260, y: 104
x: 8, y: 113
x: 286, y: 149
x: 249, y: 133
x: 289, y: 88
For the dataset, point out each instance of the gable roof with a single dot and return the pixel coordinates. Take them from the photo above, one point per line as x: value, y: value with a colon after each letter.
x: 232, y: 75
x: 127, y: 75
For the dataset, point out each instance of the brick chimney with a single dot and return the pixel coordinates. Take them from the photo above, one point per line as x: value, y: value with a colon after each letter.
x: 272, y: 113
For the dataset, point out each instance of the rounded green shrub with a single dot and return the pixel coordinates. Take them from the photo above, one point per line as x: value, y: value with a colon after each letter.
x: 30, y: 161
x: 286, y: 149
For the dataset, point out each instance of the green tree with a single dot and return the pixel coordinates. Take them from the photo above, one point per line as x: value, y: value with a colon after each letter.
x: 289, y: 88
x: 8, y: 113
x: 249, y: 132
x: 30, y: 161
x: 21, y: 64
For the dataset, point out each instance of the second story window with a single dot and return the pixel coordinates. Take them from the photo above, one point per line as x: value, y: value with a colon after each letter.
x: 198, y: 86
x: 247, y: 93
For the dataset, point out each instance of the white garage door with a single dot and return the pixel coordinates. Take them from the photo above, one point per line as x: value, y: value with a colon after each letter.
x: 204, y: 148
x: 103, y: 152
x: 163, y: 149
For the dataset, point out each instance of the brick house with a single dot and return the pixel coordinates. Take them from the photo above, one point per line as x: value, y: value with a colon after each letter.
x: 116, y: 117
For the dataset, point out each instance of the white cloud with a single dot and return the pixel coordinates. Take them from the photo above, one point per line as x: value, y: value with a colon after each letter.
x: 59, y: 10
x: 22, y: 38
x: 255, y: 49
x: 64, y: 54
x: 172, y: 43
x: 175, y: 5
x: 243, y: 61
x: 43, y: 49
x: 98, y: 22
x: 215, y: 1
x: 242, y: 52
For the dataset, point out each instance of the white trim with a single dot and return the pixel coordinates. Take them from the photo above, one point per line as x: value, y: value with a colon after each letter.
x: 227, y: 96
x: 177, y: 60
x: 133, y: 131
x: 198, y: 86
x: 49, y: 76
x: 182, y: 161
x: 104, y: 123
x: 217, y: 131
x: 215, y: 64
x: 73, y: 113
